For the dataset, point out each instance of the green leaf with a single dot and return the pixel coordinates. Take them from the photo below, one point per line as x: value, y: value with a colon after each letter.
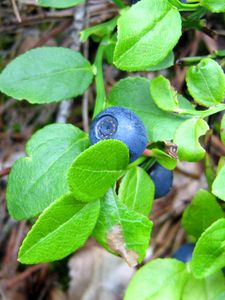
x: 204, y: 289
x: 46, y: 74
x: 209, y: 253
x: 186, y: 138
x: 206, y: 82
x: 201, y: 213
x: 164, y: 159
x: 137, y: 191
x: 210, y: 172
x: 214, y: 5
x: 163, y: 94
x: 152, y: 38
x: 218, y: 186
x: 99, y: 31
x: 159, y: 279
x: 167, y: 62
x: 59, y: 3
x: 96, y: 169
x: 122, y: 231
x: 37, y: 180
x: 222, y: 130
x: 134, y: 93
x: 61, y: 229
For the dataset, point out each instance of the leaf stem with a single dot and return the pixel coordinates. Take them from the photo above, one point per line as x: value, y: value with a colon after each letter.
x: 137, y: 162
x: 187, y: 61
x: 204, y: 113
x: 99, y: 80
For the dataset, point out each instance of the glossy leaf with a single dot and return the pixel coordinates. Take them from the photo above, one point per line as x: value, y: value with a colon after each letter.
x: 204, y: 289
x: 134, y: 93
x: 151, y: 39
x: 214, y: 5
x: 218, y: 186
x: 121, y: 230
x: 163, y: 94
x: 137, y: 191
x: 61, y: 229
x: 47, y: 74
x: 186, y: 138
x: 206, y: 82
x: 38, y: 179
x: 201, y: 213
x: 96, y: 169
x: 159, y: 279
x: 59, y: 3
x: 209, y: 253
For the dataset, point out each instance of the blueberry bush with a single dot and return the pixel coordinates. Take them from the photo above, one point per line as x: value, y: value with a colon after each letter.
x: 103, y: 184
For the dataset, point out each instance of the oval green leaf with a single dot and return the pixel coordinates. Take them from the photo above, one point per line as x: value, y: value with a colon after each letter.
x: 218, y: 186
x: 186, y: 138
x: 121, y: 230
x: 96, y: 169
x: 151, y: 39
x: 159, y: 279
x: 137, y: 191
x: 38, y: 179
x: 206, y: 82
x: 47, y: 74
x: 163, y: 94
x: 201, y: 213
x: 60, y: 230
x: 209, y: 253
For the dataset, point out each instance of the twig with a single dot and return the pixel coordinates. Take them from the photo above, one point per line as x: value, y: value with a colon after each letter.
x: 16, y: 11
x: 22, y: 276
x: 5, y: 171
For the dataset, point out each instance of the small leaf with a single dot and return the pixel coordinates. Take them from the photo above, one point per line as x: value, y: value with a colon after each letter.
x: 206, y: 82
x: 186, y: 138
x: 163, y: 94
x: 46, y: 74
x: 209, y: 252
x: 122, y: 231
x: 60, y: 230
x: 151, y: 39
x: 137, y: 191
x: 159, y: 279
x: 214, y: 5
x: 164, y: 159
x: 134, y: 93
x: 37, y: 180
x: 97, y: 169
x: 204, y: 289
x: 59, y: 3
x: 218, y: 186
x: 201, y: 213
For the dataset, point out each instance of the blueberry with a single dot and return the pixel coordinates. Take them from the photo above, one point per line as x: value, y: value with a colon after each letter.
x: 162, y: 178
x: 133, y: 1
x: 120, y: 124
x: 184, y: 253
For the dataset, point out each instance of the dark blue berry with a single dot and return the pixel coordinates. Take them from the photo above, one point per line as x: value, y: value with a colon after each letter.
x: 133, y: 1
x: 120, y: 124
x: 184, y: 253
x: 162, y: 178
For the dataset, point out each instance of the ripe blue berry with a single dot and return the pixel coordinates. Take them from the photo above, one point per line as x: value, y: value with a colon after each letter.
x: 162, y: 178
x: 120, y: 124
x: 184, y: 253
